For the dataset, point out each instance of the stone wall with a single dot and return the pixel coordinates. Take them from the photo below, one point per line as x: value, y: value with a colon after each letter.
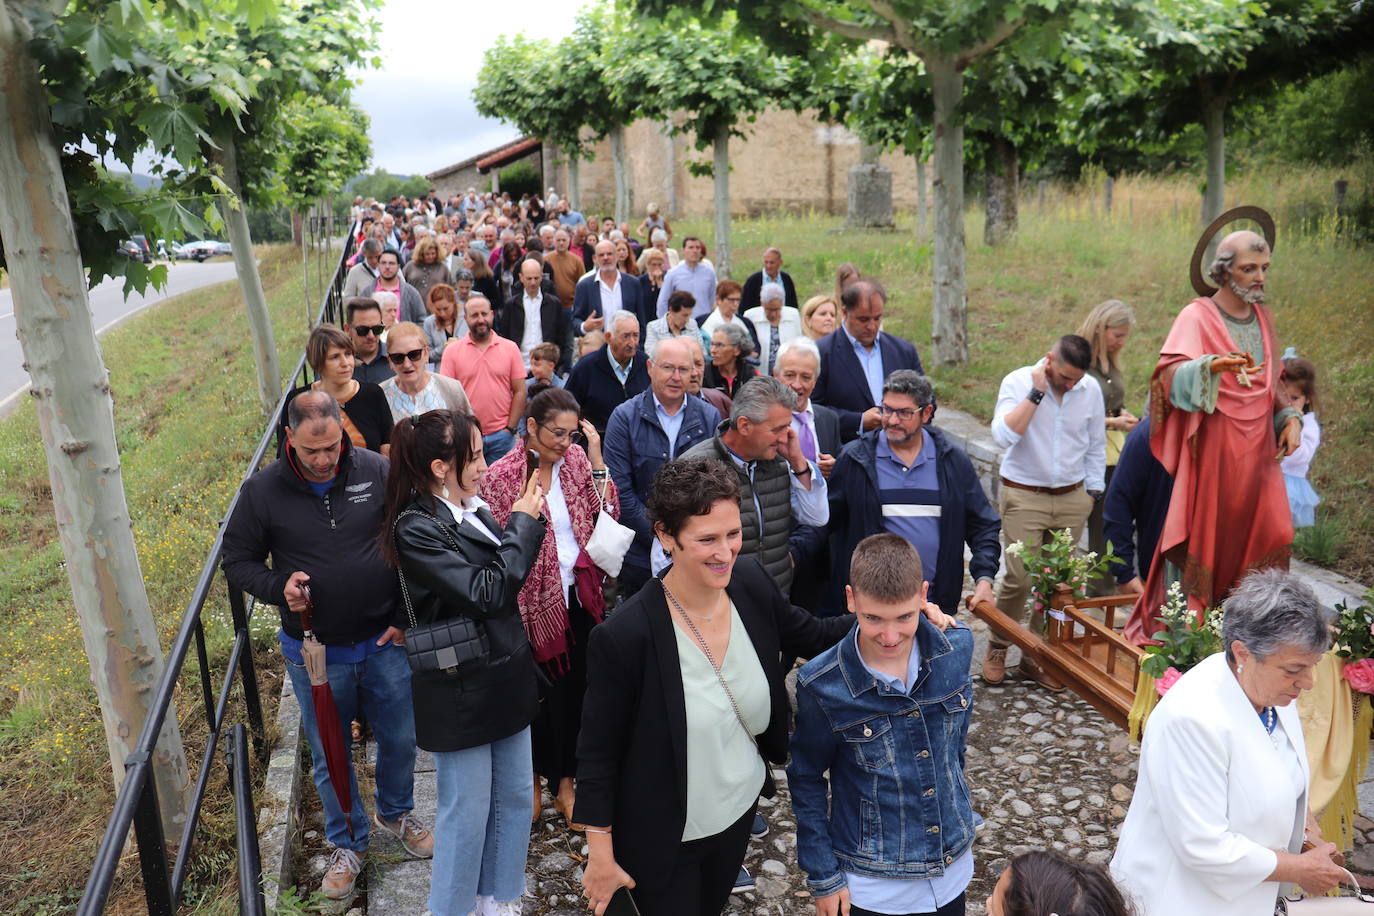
x: 786, y: 163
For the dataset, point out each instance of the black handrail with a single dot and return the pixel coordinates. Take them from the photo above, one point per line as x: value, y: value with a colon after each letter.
x: 137, y: 805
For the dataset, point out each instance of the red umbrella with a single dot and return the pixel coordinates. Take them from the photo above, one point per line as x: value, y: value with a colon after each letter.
x: 326, y: 714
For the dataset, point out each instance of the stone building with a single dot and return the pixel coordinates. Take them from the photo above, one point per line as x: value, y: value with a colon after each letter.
x: 785, y: 163
x: 477, y: 171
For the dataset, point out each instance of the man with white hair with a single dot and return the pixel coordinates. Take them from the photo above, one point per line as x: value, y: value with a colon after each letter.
x: 774, y: 322
x: 606, y: 378
x: 658, y: 239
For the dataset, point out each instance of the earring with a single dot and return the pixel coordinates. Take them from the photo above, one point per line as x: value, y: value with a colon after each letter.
x: 1240, y: 669
x: 443, y: 488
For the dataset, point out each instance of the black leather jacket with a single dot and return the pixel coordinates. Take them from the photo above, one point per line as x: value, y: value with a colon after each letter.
x: 479, y: 580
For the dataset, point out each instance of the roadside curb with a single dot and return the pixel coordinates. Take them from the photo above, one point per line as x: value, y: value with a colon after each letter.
x: 280, y: 799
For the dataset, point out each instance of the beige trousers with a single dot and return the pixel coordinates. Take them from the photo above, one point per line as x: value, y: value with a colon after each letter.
x: 1030, y: 518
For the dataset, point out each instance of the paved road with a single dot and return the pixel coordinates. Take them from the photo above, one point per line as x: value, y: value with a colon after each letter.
x: 109, y: 308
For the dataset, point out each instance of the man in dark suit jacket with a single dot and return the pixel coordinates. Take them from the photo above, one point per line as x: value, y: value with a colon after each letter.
x: 773, y: 273
x: 596, y: 379
x: 818, y: 433
x: 553, y: 319
x: 857, y: 357
x: 589, y: 302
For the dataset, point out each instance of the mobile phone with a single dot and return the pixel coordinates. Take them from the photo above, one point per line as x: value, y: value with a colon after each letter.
x: 622, y: 903
x: 531, y: 463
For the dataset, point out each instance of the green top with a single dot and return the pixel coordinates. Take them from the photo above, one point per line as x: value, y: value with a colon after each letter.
x: 724, y: 769
x: 1246, y: 333
x: 1113, y: 385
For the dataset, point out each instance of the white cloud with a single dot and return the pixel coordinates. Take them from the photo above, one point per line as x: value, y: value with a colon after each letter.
x: 420, y: 101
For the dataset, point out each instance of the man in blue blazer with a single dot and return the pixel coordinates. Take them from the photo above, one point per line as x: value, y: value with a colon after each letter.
x: 606, y: 291
x: 857, y: 357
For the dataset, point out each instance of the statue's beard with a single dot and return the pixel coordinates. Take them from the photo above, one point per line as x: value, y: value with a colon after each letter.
x: 1250, y: 295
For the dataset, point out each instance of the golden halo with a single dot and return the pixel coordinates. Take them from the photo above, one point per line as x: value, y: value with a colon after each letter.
x: 1258, y: 214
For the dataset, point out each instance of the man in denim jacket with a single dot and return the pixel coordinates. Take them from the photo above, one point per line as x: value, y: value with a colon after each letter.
x: 885, y: 712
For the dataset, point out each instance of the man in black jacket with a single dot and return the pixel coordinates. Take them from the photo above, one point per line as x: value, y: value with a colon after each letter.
x: 315, y: 513
x: 532, y: 316
x: 606, y: 378
x: 772, y: 273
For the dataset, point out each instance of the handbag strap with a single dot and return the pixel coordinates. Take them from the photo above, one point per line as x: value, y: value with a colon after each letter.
x: 405, y: 591
x: 715, y: 668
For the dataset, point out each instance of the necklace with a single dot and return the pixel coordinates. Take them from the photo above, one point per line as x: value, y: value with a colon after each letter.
x: 683, y: 611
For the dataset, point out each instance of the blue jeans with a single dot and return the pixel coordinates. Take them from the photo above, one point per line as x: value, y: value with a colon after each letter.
x: 495, y: 446
x: 379, y: 687
x: 482, y: 829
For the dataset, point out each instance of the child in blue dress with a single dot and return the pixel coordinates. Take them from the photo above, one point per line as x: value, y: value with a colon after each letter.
x: 1300, y: 381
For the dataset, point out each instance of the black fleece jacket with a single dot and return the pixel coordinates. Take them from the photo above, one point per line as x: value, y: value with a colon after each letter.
x: 332, y: 539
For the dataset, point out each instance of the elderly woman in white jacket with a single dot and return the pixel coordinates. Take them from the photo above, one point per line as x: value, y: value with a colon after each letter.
x: 1220, y: 808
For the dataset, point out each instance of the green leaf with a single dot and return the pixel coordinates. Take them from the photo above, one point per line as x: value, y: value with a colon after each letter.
x: 176, y: 128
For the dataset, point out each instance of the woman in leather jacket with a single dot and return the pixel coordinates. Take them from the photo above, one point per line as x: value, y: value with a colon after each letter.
x: 455, y: 560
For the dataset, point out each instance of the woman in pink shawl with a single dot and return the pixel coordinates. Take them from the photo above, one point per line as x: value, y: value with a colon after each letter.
x: 562, y: 599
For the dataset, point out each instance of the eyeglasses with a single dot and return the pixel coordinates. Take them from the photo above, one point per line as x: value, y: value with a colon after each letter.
x: 674, y: 370
x: 559, y: 435
x: 362, y: 330
x: 905, y: 414
x: 415, y: 356
x: 732, y: 298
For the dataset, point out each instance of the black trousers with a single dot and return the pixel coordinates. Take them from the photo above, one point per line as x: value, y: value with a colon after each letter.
x: 954, y: 908
x: 702, y: 875
x: 554, y: 731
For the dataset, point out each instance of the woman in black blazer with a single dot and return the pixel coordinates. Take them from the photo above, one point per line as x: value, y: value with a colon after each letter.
x: 644, y: 804
x: 455, y: 561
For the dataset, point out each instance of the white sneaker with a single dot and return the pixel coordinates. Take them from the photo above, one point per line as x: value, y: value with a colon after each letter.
x: 509, y: 908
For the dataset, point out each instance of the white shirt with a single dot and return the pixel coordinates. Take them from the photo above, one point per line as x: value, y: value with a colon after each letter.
x: 611, y: 296
x: 534, y: 325
x: 1066, y: 441
x: 564, y: 538
x: 466, y: 511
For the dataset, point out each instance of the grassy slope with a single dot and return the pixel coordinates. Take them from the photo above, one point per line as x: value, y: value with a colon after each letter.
x: 187, y: 420
x: 1069, y: 256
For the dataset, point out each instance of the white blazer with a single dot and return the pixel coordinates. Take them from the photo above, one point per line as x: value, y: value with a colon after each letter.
x: 789, y: 326
x: 1213, y: 800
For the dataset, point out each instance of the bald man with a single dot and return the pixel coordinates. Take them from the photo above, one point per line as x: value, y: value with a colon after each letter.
x: 1220, y: 426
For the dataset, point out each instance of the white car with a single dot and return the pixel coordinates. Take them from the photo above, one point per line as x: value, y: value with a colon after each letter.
x: 200, y: 250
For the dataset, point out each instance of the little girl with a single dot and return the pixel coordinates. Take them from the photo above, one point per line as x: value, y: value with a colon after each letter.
x: 1300, y: 381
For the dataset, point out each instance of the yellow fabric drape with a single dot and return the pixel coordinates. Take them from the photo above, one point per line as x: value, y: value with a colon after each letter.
x: 1335, y: 725
x: 1145, y: 699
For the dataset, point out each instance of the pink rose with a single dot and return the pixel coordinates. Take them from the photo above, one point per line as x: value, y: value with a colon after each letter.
x: 1168, y: 680
x: 1047, y: 569
x: 1360, y: 675
x: 1039, y: 605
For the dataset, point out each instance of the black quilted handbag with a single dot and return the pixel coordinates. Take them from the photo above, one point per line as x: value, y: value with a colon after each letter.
x: 451, y: 645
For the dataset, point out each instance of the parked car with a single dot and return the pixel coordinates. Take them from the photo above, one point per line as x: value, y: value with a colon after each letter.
x: 136, y: 249
x: 200, y: 250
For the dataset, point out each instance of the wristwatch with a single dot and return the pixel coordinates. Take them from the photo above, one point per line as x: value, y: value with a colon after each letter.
x: 1035, y: 396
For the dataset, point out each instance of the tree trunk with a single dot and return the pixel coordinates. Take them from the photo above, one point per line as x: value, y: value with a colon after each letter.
x: 622, y: 176
x: 922, y: 210
x: 721, y: 170
x: 949, y: 327
x: 250, y: 283
x: 1003, y: 190
x: 574, y: 191
x: 1214, y: 128
x: 71, y: 390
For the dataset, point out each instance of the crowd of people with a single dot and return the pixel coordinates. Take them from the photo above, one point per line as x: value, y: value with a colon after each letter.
x: 622, y: 497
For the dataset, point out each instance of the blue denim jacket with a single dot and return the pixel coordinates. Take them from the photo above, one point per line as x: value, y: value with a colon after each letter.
x: 899, y: 805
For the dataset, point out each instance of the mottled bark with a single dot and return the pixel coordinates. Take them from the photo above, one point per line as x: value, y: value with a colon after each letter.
x: 949, y: 326
x: 622, y: 175
x: 721, y: 169
x: 1003, y: 190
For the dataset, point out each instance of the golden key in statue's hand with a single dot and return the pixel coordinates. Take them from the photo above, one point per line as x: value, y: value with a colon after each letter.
x: 1243, y: 377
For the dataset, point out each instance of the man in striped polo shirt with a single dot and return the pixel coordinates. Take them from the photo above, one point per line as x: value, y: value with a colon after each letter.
x: 908, y: 478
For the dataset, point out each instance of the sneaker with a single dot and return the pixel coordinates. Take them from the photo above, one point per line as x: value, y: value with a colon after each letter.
x: 414, y: 836
x: 745, y: 881
x: 508, y: 908
x: 760, y: 828
x: 995, y: 665
x: 344, y: 866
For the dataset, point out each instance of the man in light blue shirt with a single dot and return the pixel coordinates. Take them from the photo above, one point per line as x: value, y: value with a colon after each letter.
x: 693, y: 276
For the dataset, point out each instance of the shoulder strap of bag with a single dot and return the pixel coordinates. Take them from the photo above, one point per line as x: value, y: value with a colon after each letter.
x: 705, y: 650
x: 405, y: 591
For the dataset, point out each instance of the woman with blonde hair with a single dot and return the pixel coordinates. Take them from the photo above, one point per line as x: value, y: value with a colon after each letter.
x: 819, y: 316
x: 1106, y: 329
x: 426, y: 266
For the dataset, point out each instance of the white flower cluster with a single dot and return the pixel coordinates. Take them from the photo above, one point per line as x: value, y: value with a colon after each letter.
x: 1216, y: 617
x: 1017, y: 550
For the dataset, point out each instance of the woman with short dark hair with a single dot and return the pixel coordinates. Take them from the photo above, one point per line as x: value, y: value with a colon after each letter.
x: 1045, y: 883
x: 366, y: 415
x: 456, y: 561
x: 686, y: 706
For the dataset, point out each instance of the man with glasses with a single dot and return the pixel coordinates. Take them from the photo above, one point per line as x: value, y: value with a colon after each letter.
x: 364, y: 327
x: 908, y: 478
x: 645, y: 433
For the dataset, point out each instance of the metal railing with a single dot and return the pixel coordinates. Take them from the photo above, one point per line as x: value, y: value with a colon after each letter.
x: 138, y: 805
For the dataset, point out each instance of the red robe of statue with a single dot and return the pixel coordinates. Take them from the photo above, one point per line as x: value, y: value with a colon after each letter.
x: 1229, y: 511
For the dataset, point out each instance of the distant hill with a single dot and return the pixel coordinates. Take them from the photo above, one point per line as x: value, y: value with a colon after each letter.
x: 141, y: 181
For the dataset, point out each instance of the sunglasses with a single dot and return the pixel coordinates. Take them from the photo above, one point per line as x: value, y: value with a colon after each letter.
x: 414, y: 356
x: 362, y: 330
